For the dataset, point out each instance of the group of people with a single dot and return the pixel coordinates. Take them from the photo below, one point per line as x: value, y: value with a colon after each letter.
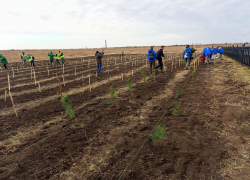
x: 207, y: 55
x: 57, y: 57
x: 31, y: 59
x: 211, y: 53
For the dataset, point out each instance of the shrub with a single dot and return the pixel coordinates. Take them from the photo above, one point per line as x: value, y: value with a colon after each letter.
x: 129, y: 85
x: 143, y: 73
x: 112, y: 95
x: 193, y: 50
x: 154, y: 74
x: 159, y: 133
x: 180, y: 91
x: 193, y: 73
x: 176, y: 111
x: 66, y: 102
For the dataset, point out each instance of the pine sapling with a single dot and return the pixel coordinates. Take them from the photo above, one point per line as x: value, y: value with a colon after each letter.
x: 180, y: 91
x: 193, y: 73
x: 143, y: 73
x: 66, y: 102
x: 113, y: 92
x: 159, y: 133
x: 154, y: 74
x: 129, y: 85
x: 176, y: 111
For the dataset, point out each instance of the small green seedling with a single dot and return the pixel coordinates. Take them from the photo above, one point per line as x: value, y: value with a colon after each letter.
x: 129, y: 85
x: 190, y: 86
x: 193, y: 50
x: 154, y: 74
x: 193, y: 73
x: 131, y: 101
x: 113, y: 92
x: 66, y: 102
x: 180, y: 91
x: 143, y: 73
x: 192, y: 80
x: 176, y: 111
x: 160, y: 133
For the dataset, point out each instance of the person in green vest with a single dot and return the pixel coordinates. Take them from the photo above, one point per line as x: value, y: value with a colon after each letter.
x: 61, y: 56
x: 122, y: 53
x: 32, y: 60
x: 51, y: 55
x: 4, y: 62
x: 57, y: 58
x: 24, y: 58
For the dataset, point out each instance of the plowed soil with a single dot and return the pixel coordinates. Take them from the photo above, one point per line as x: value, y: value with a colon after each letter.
x: 209, y: 140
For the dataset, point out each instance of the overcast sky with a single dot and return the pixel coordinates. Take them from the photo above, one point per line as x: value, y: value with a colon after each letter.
x: 45, y: 24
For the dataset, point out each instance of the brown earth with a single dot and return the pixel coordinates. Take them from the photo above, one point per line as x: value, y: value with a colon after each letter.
x: 209, y: 140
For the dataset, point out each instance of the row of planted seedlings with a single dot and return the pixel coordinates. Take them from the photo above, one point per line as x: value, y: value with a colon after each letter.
x: 113, y: 92
x: 160, y: 131
x: 117, y: 65
x: 133, y: 62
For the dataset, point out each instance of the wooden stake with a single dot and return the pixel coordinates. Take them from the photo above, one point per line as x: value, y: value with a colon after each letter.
x: 31, y: 72
x: 132, y: 72
x: 35, y: 77
x: 63, y: 68
x: 5, y: 95
x: 96, y: 74
x: 39, y: 86
x: 17, y: 70
x: 89, y: 62
x: 1, y: 69
x: 75, y: 70
x: 63, y: 80
x: 9, y: 81
x: 89, y: 85
x: 13, y: 72
x: 179, y: 61
x: 60, y: 87
x: 122, y: 76
x: 13, y: 103
x: 48, y: 72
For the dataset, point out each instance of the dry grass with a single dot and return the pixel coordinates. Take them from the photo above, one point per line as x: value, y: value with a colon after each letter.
x: 15, y: 55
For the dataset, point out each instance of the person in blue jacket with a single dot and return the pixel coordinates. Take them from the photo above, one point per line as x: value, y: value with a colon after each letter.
x: 187, y: 54
x: 221, y: 51
x: 206, y: 54
x: 215, y: 51
x: 152, y: 55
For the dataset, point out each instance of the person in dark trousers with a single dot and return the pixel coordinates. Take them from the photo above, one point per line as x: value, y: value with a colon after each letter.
x: 24, y: 58
x: 187, y: 56
x: 61, y: 56
x: 98, y: 57
x: 159, y: 57
x: 4, y: 61
x: 32, y: 60
x: 57, y: 58
x: 152, y: 55
x: 51, y: 56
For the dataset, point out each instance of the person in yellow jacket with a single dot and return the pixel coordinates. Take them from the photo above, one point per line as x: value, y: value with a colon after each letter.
x: 57, y: 58
x: 24, y: 58
x: 61, y: 56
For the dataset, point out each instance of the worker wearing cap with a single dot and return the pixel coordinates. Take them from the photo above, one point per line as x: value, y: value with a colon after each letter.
x: 24, y: 58
x: 61, y: 56
x: 57, y: 58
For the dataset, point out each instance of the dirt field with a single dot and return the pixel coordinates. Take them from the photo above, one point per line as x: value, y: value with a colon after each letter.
x: 209, y: 140
x: 15, y: 55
